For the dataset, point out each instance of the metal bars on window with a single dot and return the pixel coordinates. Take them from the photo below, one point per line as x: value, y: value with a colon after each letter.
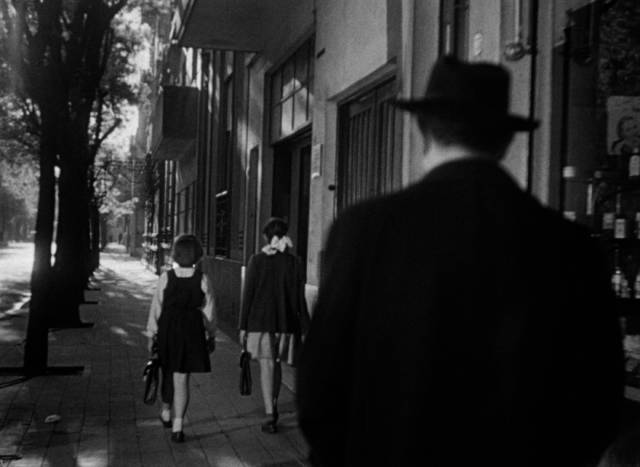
x: 369, y: 161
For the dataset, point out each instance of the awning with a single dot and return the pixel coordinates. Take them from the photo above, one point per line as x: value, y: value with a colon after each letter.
x: 174, y: 123
x: 242, y: 25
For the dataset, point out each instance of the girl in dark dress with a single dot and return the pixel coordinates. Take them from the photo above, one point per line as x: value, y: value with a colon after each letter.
x: 182, y: 321
x: 274, y: 310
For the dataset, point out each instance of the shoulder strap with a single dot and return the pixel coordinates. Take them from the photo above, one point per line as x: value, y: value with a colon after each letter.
x: 171, y: 275
x: 197, y: 276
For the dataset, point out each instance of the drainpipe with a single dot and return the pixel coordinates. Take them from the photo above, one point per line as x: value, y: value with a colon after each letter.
x: 408, y: 18
x: 533, y: 44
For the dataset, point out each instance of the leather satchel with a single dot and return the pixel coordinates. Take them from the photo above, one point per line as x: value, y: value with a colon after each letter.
x: 150, y: 376
x: 245, y: 370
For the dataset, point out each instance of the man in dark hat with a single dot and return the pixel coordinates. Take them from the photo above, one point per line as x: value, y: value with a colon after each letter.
x: 459, y: 322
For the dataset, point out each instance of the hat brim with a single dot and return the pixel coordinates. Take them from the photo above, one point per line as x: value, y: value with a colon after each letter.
x: 434, y: 106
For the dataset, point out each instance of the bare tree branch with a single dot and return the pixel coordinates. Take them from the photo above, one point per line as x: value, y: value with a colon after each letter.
x: 110, y: 130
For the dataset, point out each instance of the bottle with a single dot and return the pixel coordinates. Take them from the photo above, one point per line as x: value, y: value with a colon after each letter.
x: 608, y: 218
x: 589, y: 207
x: 625, y: 290
x: 616, y: 281
x: 636, y: 286
x: 620, y: 222
x: 617, y: 276
x: 634, y: 163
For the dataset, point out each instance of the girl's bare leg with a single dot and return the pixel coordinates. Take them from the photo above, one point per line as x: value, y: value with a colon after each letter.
x: 266, y: 382
x: 180, y: 398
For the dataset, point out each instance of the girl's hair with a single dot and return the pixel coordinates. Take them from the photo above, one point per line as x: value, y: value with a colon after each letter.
x: 275, y: 227
x: 187, y: 250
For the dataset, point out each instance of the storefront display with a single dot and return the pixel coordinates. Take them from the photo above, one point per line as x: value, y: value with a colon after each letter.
x: 599, y: 143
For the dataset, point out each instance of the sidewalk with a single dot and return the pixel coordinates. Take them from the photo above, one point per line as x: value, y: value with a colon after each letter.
x: 103, y: 420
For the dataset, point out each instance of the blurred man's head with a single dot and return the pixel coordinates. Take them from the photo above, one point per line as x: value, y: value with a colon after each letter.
x: 478, y: 136
x: 465, y: 109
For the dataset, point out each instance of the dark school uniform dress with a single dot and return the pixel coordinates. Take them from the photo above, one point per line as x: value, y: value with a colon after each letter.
x: 182, y: 345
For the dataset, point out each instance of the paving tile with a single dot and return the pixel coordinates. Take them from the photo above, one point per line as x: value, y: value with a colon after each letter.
x: 103, y: 419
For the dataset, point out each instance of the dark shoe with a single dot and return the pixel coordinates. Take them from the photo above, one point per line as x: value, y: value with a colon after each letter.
x: 166, y: 424
x: 269, y: 427
x: 177, y: 436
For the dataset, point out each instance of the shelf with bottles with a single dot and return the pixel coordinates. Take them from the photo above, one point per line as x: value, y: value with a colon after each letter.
x: 625, y: 280
x: 619, y: 173
x: 613, y: 202
x: 592, y: 195
x: 616, y: 220
x: 620, y: 170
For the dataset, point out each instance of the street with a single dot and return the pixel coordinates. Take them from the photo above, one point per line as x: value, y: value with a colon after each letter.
x: 102, y: 419
x: 15, y: 269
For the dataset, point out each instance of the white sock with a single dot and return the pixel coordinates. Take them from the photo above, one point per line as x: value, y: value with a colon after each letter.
x: 166, y: 415
x: 177, y: 424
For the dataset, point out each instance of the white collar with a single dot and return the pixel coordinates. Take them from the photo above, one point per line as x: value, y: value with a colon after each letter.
x: 277, y: 244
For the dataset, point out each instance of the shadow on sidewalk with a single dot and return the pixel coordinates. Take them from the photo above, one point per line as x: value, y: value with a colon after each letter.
x: 102, y: 416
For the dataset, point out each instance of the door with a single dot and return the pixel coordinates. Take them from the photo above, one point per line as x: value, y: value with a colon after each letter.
x: 291, y: 178
x: 252, y: 204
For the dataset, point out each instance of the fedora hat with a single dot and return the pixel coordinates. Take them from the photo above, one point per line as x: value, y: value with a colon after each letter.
x: 478, y: 91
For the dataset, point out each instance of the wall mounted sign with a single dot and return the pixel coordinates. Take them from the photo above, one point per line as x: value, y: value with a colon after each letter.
x: 316, y: 161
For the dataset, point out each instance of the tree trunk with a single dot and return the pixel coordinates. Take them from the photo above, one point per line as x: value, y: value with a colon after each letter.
x: 36, y: 345
x: 95, y: 236
x: 70, y: 263
x: 103, y: 231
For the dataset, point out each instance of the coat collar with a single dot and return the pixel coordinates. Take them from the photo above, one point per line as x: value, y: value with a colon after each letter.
x: 470, y: 169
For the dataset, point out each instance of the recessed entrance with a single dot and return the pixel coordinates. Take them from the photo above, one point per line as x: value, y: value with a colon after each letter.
x: 291, y: 167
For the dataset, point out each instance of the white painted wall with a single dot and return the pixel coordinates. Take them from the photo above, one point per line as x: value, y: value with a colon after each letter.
x: 425, y: 53
x: 491, y: 27
x: 352, y: 43
x: 484, y: 22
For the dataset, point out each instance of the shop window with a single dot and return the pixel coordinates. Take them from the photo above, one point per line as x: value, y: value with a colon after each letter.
x: 597, y: 179
x: 185, y: 212
x: 169, y: 227
x: 224, y: 167
x: 202, y: 225
x: 291, y: 93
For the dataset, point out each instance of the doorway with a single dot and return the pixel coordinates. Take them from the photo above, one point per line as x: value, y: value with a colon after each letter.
x: 291, y: 179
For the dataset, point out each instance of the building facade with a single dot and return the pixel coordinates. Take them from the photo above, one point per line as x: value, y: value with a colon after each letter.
x: 282, y: 108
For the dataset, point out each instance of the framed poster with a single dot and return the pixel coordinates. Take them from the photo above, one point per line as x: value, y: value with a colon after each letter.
x: 623, y: 124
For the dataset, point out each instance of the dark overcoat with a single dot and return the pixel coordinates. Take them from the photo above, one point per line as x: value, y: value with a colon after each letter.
x: 273, y: 298
x: 460, y: 323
